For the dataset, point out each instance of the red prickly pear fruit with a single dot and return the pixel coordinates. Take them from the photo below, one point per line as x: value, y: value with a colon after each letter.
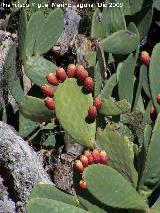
x: 79, y: 166
x: 96, y: 156
x: 71, y: 70
x: 103, y: 157
x: 88, y: 84
x: 97, y: 103
x: 61, y: 74
x: 88, y: 154
x: 84, y: 160
x: 153, y: 113
x: 145, y: 57
x: 92, y: 112
x: 47, y: 90
x: 83, y: 184
x: 49, y: 103
x: 79, y: 69
x: 82, y: 75
x: 158, y: 99
x: 52, y: 79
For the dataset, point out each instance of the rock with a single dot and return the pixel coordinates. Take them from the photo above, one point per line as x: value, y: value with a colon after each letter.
x: 21, y: 167
x: 71, y: 26
x: 6, y: 204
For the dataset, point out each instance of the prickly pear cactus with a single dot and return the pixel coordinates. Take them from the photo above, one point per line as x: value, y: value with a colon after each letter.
x: 72, y: 109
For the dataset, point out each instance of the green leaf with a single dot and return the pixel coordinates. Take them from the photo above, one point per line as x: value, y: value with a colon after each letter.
x: 34, y: 109
x: 122, y: 42
x: 151, y: 175
x: 34, y: 26
x: 130, y: 7
x: 143, y: 18
x: 108, y: 87
x: 49, y: 126
x: 154, y: 75
x: 50, y: 32
x: 26, y: 126
x: 140, y: 84
x: 97, y: 28
x: 127, y: 78
x: 13, y: 80
x: 156, y: 4
x: 120, y: 152
x: 37, y: 69
x: 97, y: 80
x: 111, y: 107
x: 39, y: 205
x: 113, y: 19
x: 117, y: 193
x: 146, y: 82
x: 51, y: 192
x: 72, y: 110
x: 22, y: 29
x: 50, y: 141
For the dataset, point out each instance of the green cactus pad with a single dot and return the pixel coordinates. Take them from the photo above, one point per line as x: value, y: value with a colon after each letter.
x: 108, y: 87
x: 44, y: 205
x: 97, y: 28
x: 26, y: 126
x: 127, y: 78
x: 113, y: 19
x: 33, y: 28
x: 122, y: 42
x: 109, y: 187
x: 111, y: 107
x: 97, y: 80
x: 72, y: 110
x: 120, y: 152
x: 37, y: 69
x: 131, y: 7
x: 156, y: 207
x: 154, y: 76
x: 140, y: 85
x: 51, y: 192
x: 151, y: 175
x: 143, y: 18
x: 49, y: 126
x: 50, y: 32
x: 13, y: 80
x: 34, y: 109
x: 147, y: 137
x: 146, y: 82
x: 22, y: 29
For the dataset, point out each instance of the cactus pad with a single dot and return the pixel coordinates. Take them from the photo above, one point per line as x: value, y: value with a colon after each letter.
x: 50, y: 32
x: 41, y: 205
x: 151, y: 175
x: 111, y: 107
x: 37, y: 69
x: 34, y: 109
x: 154, y: 75
x: 33, y: 28
x: 108, y: 186
x: 122, y: 42
x: 72, y: 110
x: 51, y: 192
x: 120, y: 151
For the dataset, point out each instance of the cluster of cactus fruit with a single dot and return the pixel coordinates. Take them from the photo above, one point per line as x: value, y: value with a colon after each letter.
x: 89, y: 158
x: 81, y: 74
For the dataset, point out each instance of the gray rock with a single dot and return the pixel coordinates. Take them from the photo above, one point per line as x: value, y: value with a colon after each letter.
x: 71, y: 26
x: 23, y: 165
x: 6, y: 204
